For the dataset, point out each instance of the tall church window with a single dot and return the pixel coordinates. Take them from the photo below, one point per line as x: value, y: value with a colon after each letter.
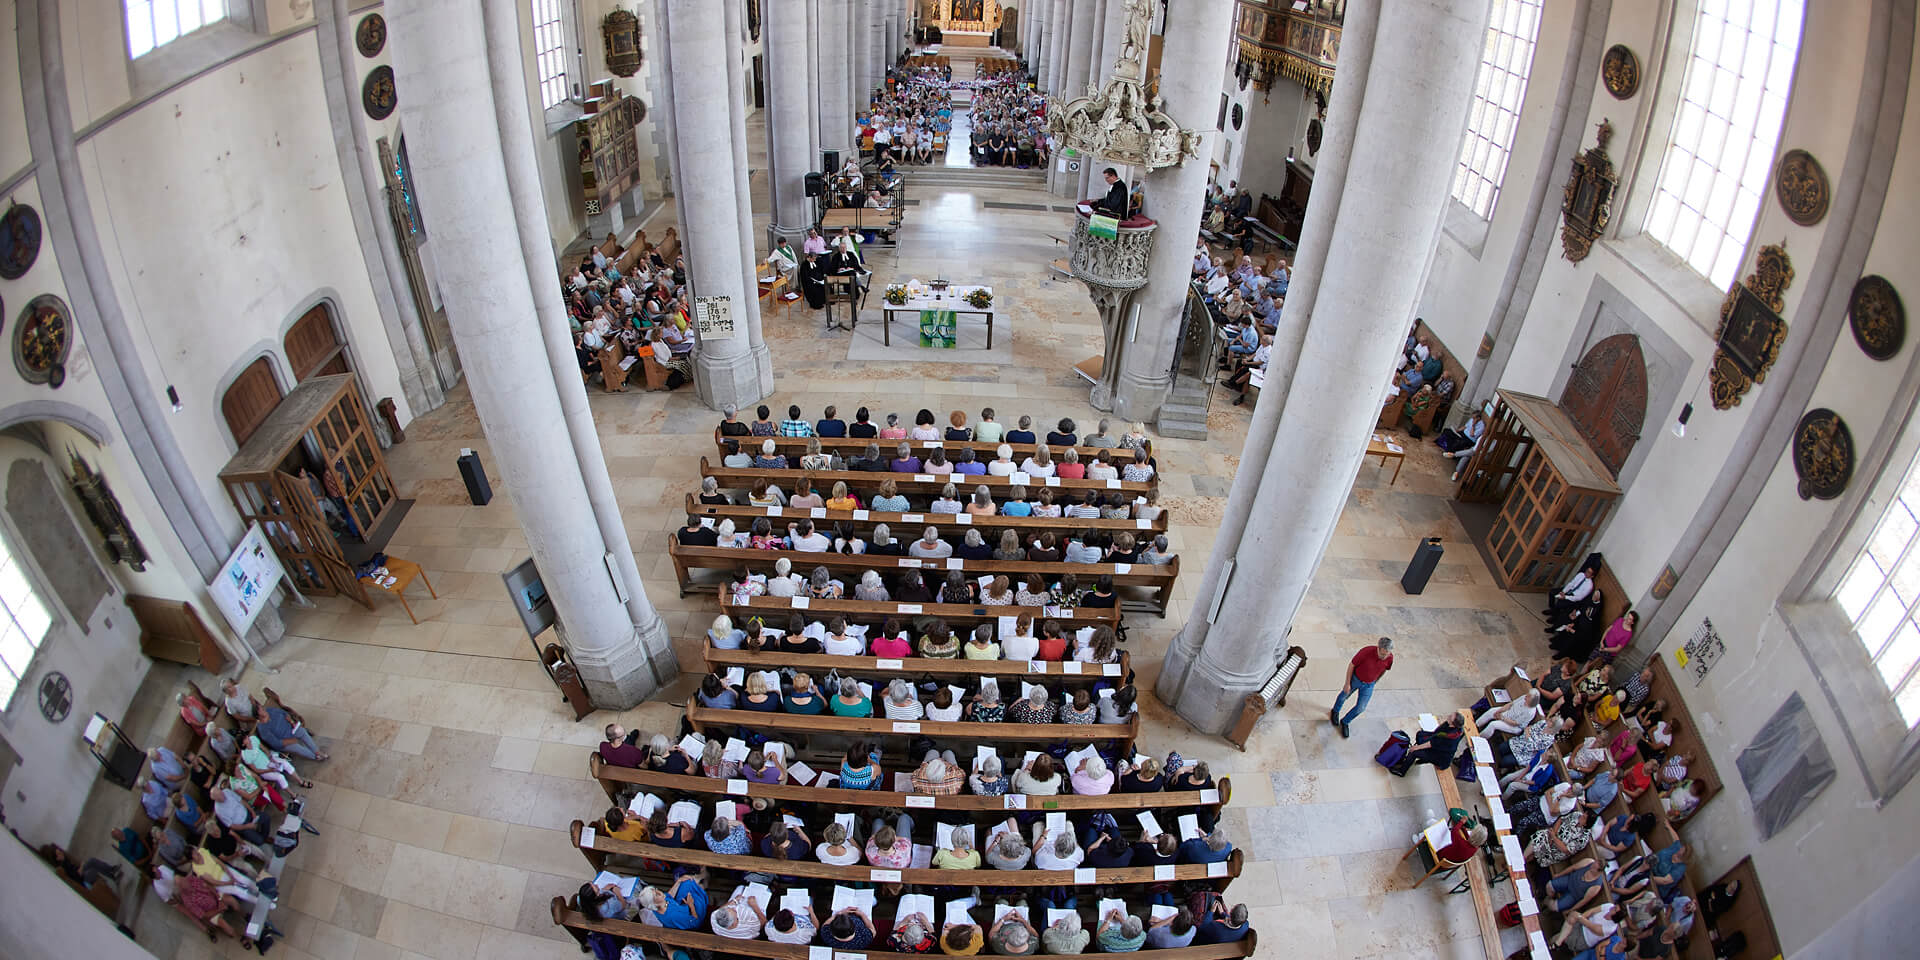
x: 1498, y: 89
x: 23, y: 623
x: 155, y: 23
x: 1880, y: 595
x: 553, y: 52
x: 1733, y: 101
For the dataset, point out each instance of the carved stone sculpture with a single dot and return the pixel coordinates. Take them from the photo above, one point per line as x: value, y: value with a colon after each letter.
x: 1117, y: 122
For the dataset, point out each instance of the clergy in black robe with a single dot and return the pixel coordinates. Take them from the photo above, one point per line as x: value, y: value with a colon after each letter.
x: 1114, y: 204
x: 813, y: 281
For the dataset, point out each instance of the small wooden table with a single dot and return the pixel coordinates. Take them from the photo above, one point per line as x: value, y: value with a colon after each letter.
x: 403, y: 572
x: 1386, y: 449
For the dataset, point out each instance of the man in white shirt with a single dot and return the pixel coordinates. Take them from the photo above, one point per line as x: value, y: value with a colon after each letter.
x: 1574, y: 593
x: 930, y: 546
x: 799, y: 926
x: 808, y: 540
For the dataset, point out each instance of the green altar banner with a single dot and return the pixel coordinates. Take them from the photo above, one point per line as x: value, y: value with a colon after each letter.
x: 938, y: 328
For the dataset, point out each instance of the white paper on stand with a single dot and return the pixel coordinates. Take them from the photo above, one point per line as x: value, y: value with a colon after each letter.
x: 1210, y: 796
x: 943, y: 836
x: 1438, y: 834
x: 1082, y: 875
x: 587, y: 836
x: 1522, y: 889
x: 845, y: 820
x: 1488, y: 784
x: 1538, y: 941
x: 1528, y: 908
x: 1428, y: 722
x: 921, y: 858
x: 693, y: 743
x: 912, y: 903
x: 920, y: 801
x: 1217, y: 869
x: 737, y: 787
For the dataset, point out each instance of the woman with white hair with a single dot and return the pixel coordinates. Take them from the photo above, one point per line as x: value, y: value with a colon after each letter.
x: 1052, y: 852
x: 710, y: 493
x: 987, y: 708
x: 1040, y: 464
x: 1158, y: 553
x: 962, y: 855
x: 930, y: 546
x: 1007, y: 851
x: 948, y: 502
x: 1013, y: 936
x: 1035, y: 707
x: 1092, y: 778
x: 901, y: 703
x: 870, y: 588
x: 722, y: 636
x: 783, y: 583
x: 882, y: 543
x: 988, y: 781
x: 725, y: 534
x: 1002, y: 464
x: 769, y: 458
x: 713, y: 762
x: 1121, y: 932
x: 681, y: 908
x: 740, y: 918
x: 973, y: 547
x: 1065, y: 935
x: 912, y: 933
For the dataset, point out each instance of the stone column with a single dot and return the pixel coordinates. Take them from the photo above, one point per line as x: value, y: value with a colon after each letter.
x: 876, y: 47
x: 1042, y: 24
x: 1193, y: 58
x: 1061, y: 17
x: 473, y: 174
x: 1417, y: 88
x: 831, y: 78
x: 1110, y: 26
x: 783, y: 27
x: 813, y: 84
x: 1079, y: 66
x: 861, y: 51
x: 715, y: 232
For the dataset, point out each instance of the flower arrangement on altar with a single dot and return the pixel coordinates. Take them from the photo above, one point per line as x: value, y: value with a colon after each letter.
x: 896, y: 295
x: 979, y: 298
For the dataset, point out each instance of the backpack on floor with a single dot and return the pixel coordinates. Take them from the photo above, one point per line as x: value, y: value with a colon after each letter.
x: 1393, y: 751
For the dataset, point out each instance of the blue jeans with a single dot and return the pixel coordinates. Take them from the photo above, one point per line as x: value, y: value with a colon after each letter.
x: 302, y: 745
x: 1362, y: 692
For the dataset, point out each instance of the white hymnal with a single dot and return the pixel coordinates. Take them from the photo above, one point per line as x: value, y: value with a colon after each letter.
x: 801, y: 773
x: 912, y: 903
x: 1149, y: 827
x: 684, y: 811
x: 626, y: 884
x: 844, y: 897
x: 1190, y: 827
x: 735, y: 750
x: 587, y: 836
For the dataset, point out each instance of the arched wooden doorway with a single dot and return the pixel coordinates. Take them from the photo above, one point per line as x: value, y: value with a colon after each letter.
x: 1606, y: 398
x: 314, y: 346
x: 253, y: 395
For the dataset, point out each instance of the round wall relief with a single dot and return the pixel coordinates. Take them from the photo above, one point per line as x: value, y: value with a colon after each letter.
x: 1315, y: 132
x: 1822, y: 454
x: 1620, y: 72
x: 1801, y: 187
x: 41, y: 338
x: 19, y: 240
x: 377, y: 94
x: 56, y: 696
x: 1238, y: 115
x: 1878, y: 318
x: 370, y: 37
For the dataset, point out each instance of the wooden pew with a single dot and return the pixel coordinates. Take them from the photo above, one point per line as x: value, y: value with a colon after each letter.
x: 613, y: 377
x: 612, y: 778
x: 924, y: 484
x: 857, y: 446
x: 875, y: 613
x: 1476, y: 868
x: 818, y: 664
x: 602, y: 847
x: 743, y: 516
x: 692, y: 940
x: 685, y: 559
x: 1123, y: 733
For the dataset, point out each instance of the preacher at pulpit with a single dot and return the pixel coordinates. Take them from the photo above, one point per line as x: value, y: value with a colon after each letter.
x: 1114, y: 204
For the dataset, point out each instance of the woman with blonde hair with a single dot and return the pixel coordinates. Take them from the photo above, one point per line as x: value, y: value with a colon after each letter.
x: 1002, y: 464
x: 1040, y: 464
x: 843, y: 500
x: 1009, y: 548
x: 814, y: 458
x: 722, y: 635
x: 713, y: 762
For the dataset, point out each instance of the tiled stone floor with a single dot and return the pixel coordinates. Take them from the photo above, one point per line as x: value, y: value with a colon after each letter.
x: 455, y: 766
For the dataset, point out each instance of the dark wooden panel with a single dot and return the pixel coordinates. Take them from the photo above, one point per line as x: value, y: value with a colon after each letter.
x: 252, y: 397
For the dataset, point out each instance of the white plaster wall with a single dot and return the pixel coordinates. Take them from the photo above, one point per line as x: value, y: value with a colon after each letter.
x: 93, y: 42
x: 217, y: 243
x: 41, y: 916
x: 1276, y: 122
x: 15, y: 154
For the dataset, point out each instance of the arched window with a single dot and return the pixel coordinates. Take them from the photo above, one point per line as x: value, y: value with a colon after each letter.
x: 23, y: 623
x: 156, y: 23
x: 553, y: 50
x: 1498, y: 90
x: 1720, y: 150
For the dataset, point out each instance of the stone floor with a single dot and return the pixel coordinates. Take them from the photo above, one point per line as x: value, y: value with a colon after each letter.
x: 455, y: 766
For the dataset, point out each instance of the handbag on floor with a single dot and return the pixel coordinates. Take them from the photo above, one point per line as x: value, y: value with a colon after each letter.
x: 1393, y: 751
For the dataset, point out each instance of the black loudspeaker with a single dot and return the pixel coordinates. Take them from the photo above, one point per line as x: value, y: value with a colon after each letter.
x: 478, y: 489
x: 816, y: 184
x: 1426, y: 556
x: 830, y: 161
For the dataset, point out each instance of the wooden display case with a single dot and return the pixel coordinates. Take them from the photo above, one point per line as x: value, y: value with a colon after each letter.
x: 1553, y: 491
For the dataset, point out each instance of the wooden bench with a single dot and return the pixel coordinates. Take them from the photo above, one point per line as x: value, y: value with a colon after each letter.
x: 850, y: 447
x: 819, y: 664
x: 864, y: 521
x: 685, y: 559
x: 875, y: 613
x: 1393, y: 416
x: 602, y: 847
x: 1123, y: 733
x: 612, y: 778
x: 579, y: 924
x: 924, y: 484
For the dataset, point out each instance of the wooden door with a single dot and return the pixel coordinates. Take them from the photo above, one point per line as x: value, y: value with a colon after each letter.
x: 1606, y: 398
x: 250, y: 399
x: 314, y: 348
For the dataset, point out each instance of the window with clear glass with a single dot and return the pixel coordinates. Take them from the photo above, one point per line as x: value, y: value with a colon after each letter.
x: 550, y: 48
x: 1498, y: 89
x: 24, y: 621
x: 155, y: 23
x: 1880, y: 595
x: 1720, y: 152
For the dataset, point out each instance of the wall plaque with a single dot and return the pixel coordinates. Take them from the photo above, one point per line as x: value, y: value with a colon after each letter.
x: 620, y: 31
x: 370, y: 37
x: 1878, y: 318
x: 1751, y: 329
x: 19, y: 240
x: 1822, y: 454
x: 377, y: 94
x: 1620, y: 72
x: 1588, y: 203
x: 1801, y: 187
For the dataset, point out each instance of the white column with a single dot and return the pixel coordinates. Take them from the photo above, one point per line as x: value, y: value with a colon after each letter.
x: 831, y: 79
x: 1330, y: 178
x: 876, y: 48
x: 1061, y: 16
x: 472, y: 157
x: 1417, y: 89
x: 813, y: 84
x: 703, y: 84
x: 861, y: 52
x: 783, y: 28
x: 747, y: 312
x: 1192, y: 60
x: 1110, y: 30
x: 1079, y: 66
x: 1037, y: 51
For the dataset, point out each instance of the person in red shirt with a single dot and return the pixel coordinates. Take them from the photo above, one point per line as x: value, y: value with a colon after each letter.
x: 619, y: 748
x: 1365, y: 670
x: 1053, y: 645
x: 1463, y: 841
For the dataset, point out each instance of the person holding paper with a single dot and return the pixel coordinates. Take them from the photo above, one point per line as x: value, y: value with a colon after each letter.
x: 987, y: 781
x: 939, y: 775
x: 1169, y: 927
x: 1021, y: 645
x: 851, y: 702
x: 1438, y: 746
x: 803, y: 697
x: 728, y: 837
x: 1079, y: 709
x: 1091, y: 778
x: 890, y: 845
x: 912, y: 933
x: 850, y: 928
x: 1142, y: 778
x: 1013, y: 936
x: 1064, y: 935
x: 1035, y: 707
x: 961, y: 940
x: 1006, y: 850
x: 892, y: 642
x: 604, y: 902
x: 1465, y: 837
x: 1587, y: 928
x: 792, y: 926
x: 900, y: 702
x: 1121, y: 932
x: 1197, y: 777
x: 785, y: 841
x: 988, y: 708
x: 836, y: 847
x: 682, y: 908
x: 740, y: 918
x: 715, y: 694
x: 1038, y: 778
x: 1220, y: 925
x: 761, y: 768
x: 1213, y: 848
x: 1117, y: 707
x: 1055, y: 852
x: 860, y: 770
